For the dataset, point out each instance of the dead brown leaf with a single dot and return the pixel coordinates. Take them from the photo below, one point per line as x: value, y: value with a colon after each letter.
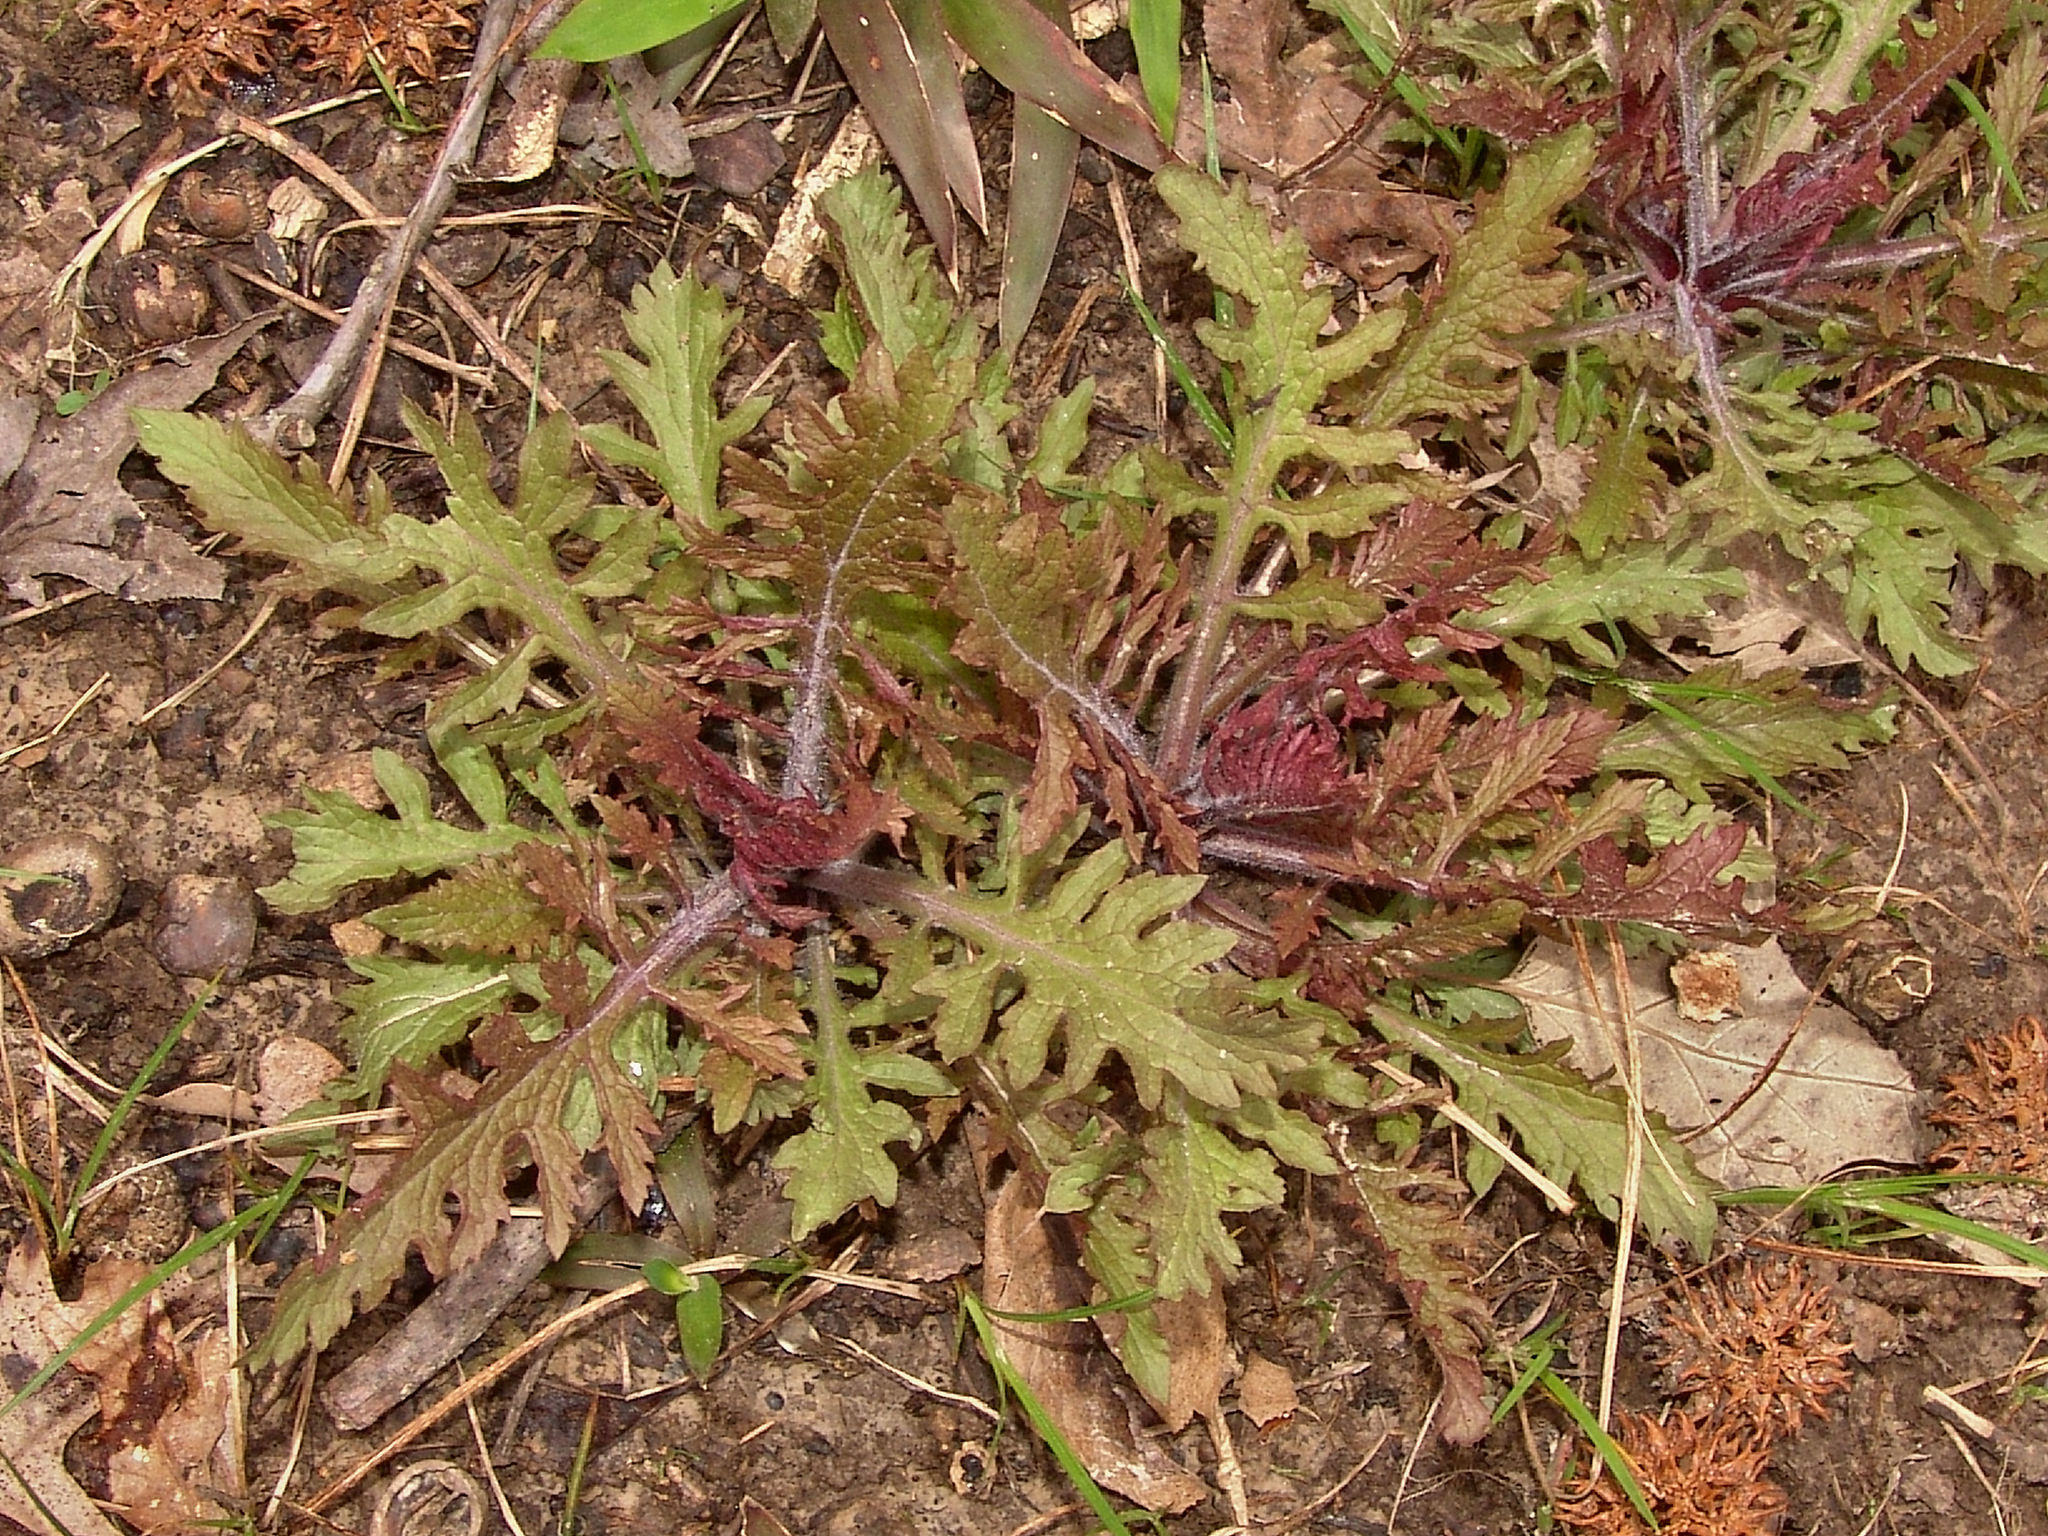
x: 63, y: 509
x: 291, y: 1073
x: 659, y: 139
x: 34, y: 1325
x: 1301, y: 126
x: 522, y: 146
x: 168, y: 1457
x: 1266, y: 1392
x: 1080, y: 1386
x: 1783, y: 1089
x: 1198, y: 1345
x: 166, y: 1404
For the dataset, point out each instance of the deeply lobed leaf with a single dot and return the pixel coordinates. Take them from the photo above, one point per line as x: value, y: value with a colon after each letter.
x: 681, y: 328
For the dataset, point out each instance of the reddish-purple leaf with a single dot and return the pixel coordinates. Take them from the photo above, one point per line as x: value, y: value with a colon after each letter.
x: 1680, y: 886
x: 875, y: 51
x: 1026, y: 51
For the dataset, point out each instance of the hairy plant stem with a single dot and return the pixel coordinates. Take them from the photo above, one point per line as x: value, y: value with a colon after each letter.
x: 1252, y: 470
x: 692, y: 924
x: 851, y: 880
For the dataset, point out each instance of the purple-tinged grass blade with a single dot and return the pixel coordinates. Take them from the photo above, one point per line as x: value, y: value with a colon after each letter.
x: 1042, y: 158
x: 1041, y: 183
x: 874, y: 50
x: 1026, y: 50
x: 790, y: 23
x: 958, y: 153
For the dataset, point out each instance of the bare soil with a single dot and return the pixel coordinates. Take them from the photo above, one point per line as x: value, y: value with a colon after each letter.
x: 802, y: 1429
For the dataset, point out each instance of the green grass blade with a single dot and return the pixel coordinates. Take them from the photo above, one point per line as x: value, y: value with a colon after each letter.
x: 608, y: 29
x: 1155, y: 35
x: 1014, y: 1385
x: 117, y: 1121
x: 33, y: 1186
x: 642, y: 166
x: 1994, y: 143
x: 1611, y: 1454
x: 1530, y: 1375
x: 1177, y: 365
x: 262, y: 1211
x: 1081, y: 1314
x: 1892, y: 1200
x: 1732, y: 750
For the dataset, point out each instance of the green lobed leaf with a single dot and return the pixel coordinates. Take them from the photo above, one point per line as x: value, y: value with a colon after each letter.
x: 1901, y: 565
x: 465, y: 1149
x: 464, y: 1156
x: 843, y: 1158
x: 1426, y: 1246
x: 1585, y: 602
x: 1038, y: 604
x: 244, y: 489
x: 864, y: 501
x: 1100, y: 963
x: 496, y: 558
x: 1193, y: 1175
x: 681, y: 328
x: 1116, y: 1252
x: 1503, y: 279
x: 1626, y: 489
x: 1718, y: 727
x: 1287, y: 1133
x: 898, y: 296
x: 338, y: 843
x: 1283, y: 367
x: 1570, y: 1130
x: 1278, y: 348
x: 410, y: 1011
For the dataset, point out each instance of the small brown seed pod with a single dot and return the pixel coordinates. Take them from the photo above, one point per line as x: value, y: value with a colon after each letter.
x: 161, y: 300
x: 220, y: 208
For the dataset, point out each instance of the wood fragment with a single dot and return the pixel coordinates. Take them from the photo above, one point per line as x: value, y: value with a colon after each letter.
x: 452, y: 1318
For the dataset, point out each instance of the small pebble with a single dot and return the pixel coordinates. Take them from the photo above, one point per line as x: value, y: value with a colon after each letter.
x: 206, y: 926
x: 469, y: 256
x: 741, y: 162
x: 40, y: 917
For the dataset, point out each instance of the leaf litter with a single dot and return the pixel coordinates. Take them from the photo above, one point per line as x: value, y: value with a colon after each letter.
x: 63, y: 509
x: 1784, y: 1090
x: 169, y: 1415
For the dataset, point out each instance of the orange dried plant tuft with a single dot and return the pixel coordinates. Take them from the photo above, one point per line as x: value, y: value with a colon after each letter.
x: 1998, y: 1105
x: 193, y: 48
x: 338, y: 37
x: 190, y: 44
x: 1758, y: 1344
x: 1703, y: 1475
